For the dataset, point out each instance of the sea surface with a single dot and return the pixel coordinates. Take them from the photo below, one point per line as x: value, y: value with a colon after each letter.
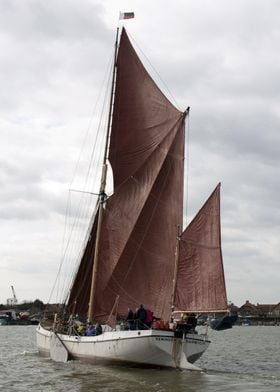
x: 245, y: 358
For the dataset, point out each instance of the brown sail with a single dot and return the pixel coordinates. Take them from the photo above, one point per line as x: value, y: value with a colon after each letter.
x: 139, y: 226
x: 78, y: 301
x: 200, y: 281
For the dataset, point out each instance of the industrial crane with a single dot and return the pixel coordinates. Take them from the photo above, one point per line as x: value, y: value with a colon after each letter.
x: 12, y: 301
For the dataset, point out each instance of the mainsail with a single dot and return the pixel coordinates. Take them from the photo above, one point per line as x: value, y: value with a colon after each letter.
x: 137, y: 242
x: 139, y: 227
x: 200, y: 280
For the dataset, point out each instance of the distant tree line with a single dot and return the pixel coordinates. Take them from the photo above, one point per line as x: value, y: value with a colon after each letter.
x: 27, y: 305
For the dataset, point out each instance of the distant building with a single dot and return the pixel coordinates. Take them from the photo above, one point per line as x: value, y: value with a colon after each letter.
x: 248, y: 310
x: 8, y: 314
x: 265, y: 310
x: 260, y: 314
x: 276, y: 310
x: 233, y: 308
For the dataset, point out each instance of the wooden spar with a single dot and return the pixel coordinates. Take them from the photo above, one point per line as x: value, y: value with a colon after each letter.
x: 175, y: 269
x: 114, y: 308
x: 102, y: 195
x: 185, y: 114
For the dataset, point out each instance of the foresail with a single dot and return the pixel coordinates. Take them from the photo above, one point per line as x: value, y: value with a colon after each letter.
x: 201, y: 283
x: 78, y: 301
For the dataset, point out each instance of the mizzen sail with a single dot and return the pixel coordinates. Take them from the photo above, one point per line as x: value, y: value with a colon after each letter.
x: 201, y: 283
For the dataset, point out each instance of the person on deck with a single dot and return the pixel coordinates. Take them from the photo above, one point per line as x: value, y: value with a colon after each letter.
x: 149, y: 318
x: 141, y: 315
x: 191, y: 322
x: 98, y: 329
x: 130, y: 319
x: 81, y: 329
x: 91, y: 331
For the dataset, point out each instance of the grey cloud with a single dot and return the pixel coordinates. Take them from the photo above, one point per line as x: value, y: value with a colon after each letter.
x: 220, y: 59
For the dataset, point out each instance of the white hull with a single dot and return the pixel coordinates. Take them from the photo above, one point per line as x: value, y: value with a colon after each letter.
x: 142, y: 347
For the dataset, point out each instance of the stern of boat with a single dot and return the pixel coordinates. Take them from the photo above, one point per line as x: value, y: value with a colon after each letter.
x: 183, y: 351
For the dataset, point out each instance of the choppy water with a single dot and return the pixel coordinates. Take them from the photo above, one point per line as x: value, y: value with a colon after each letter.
x: 241, y: 359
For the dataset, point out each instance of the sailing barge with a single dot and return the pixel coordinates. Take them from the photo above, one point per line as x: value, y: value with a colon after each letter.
x: 137, y: 251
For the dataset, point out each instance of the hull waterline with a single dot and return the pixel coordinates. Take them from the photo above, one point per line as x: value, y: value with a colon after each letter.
x: 144, y: 348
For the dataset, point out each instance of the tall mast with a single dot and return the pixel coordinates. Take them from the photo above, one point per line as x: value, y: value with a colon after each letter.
x: 102, y: 195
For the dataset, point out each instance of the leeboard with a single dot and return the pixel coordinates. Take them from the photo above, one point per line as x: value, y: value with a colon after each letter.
x: 58, y: 351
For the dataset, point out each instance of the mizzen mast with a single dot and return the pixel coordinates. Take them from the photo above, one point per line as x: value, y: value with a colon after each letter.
x: 176, y: 263
x: 175, y: 270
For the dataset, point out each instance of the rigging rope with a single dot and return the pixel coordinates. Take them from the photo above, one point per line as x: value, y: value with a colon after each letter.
x: 83, y: 208
x: 187, y: 168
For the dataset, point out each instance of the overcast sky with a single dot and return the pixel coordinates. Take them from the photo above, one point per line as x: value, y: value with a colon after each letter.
x: 219, y: 57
